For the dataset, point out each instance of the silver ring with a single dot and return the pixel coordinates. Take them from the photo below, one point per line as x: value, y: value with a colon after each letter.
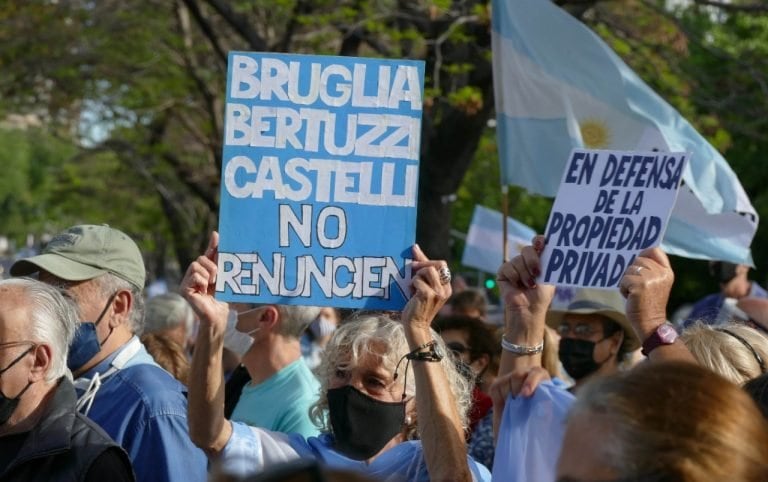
x: 445, y: 275
x: 638, y: 269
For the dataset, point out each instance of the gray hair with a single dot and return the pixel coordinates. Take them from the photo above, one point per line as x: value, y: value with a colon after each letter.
x: 296, y: 319
x: 734, y: 351
x: 167, y: 311
x: 354, y: 338
x: 110, y: 284
x: 54, y: 319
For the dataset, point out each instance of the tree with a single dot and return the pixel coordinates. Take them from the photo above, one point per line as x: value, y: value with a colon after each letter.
x: 137, y: 86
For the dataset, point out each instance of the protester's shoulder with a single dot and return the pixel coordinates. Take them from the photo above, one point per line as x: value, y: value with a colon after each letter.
x: 758, y: 291
x: 706, y: 302
x: 153, y: 387
x: 705, y: 309
x: 90, y: 431
x: 113, y: 465
x: 300, y: 380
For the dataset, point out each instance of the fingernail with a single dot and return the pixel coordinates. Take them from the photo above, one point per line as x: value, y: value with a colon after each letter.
x: 536, y: 272
x: 531, y: 283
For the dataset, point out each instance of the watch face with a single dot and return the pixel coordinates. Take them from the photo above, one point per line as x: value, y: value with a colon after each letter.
x: 438, y: 351
x: 667, y: 334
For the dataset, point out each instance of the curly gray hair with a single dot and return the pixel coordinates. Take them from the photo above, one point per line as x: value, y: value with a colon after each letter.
x: 353, y: 339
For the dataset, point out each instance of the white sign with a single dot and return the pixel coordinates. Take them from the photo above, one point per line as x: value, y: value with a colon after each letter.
x: 610, y: 206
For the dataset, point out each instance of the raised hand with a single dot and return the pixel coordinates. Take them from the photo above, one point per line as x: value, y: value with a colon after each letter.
x: 646, y: 285
x: 517, y: 283
x: 429, y: 290
x: 199, y: 286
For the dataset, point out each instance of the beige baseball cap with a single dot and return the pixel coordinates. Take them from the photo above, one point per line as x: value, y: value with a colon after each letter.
x: 85, y: 252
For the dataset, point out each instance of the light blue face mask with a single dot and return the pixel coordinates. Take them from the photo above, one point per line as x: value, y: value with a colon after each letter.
x: 86, y: 343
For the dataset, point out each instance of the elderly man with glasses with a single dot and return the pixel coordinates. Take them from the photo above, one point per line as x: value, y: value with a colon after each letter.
x: 42, y: 437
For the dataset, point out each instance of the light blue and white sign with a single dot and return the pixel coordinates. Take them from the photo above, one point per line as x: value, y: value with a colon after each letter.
x: 319, y: 180
x: 611, y: 205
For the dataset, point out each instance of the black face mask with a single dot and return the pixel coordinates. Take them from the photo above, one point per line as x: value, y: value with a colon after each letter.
x: 577, y: 357
x: 362, y: 425
x: 8, y: 405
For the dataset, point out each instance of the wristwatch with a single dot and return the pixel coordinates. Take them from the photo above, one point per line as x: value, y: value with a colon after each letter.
x: 435, y: 354
x: 665, y: 334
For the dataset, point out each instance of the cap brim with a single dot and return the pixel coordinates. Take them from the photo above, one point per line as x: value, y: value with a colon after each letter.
x: 58, y: 266
x: 555, y: 317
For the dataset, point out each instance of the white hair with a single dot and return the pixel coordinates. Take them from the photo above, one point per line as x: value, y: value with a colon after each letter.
x: 110, y: 284
x: 355, y: 338
x: 54, y: 319
x: 166, y: 312
x: 295, y: 319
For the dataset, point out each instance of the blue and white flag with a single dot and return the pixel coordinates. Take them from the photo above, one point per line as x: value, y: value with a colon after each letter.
x: 559, y: 86
x: 484, y: 244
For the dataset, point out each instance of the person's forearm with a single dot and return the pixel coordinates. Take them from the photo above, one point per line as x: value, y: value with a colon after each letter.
x: 523, y: 332
x: 208, y: 428
x: 440, y: 430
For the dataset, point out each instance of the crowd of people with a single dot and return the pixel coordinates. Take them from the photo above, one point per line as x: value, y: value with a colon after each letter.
x: 99, y: 383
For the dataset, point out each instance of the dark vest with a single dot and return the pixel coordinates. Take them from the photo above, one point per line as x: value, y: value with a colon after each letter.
x: 63, y: 444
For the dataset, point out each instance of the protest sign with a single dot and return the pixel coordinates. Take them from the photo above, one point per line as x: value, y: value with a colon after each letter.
x: 610, y: 206
x: 319, y: 180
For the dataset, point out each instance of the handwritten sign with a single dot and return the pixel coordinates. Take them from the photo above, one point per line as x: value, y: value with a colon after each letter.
x: 610, y: 206
x: 319, y: 180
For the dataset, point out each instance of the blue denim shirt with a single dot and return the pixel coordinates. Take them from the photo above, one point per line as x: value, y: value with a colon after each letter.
x: 144, y: 409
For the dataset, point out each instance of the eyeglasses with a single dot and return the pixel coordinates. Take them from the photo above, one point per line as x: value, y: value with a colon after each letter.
x: 11, y: 344
x: 457, y: 348
x: 578, y: 330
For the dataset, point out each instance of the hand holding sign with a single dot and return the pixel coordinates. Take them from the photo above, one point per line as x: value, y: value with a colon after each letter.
x: 199, y: 287
x: 429, y: 292
x: 646, y: 285
x: 525, y: 301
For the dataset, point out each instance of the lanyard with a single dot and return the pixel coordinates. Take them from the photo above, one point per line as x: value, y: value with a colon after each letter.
x: 91, y: 386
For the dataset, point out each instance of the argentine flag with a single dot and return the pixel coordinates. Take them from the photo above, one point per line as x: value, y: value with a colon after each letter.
x: 559, y: 86
x: 483, y: 247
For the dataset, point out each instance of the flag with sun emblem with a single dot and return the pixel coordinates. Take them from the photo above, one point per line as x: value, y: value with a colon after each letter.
x: 559, y: 86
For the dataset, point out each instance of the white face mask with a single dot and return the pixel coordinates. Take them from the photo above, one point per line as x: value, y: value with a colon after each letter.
x: 235, y: 340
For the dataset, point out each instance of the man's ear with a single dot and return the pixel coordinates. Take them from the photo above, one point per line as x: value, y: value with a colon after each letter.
x: 121, y: 308
x: 270, y: 316
x: 42, y: 359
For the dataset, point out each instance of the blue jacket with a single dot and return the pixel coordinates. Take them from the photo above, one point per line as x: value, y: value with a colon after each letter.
x: 144, y: 409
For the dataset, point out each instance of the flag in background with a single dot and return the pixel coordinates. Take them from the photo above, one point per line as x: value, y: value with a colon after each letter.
x: 559, y: 86
x: 483, y: 247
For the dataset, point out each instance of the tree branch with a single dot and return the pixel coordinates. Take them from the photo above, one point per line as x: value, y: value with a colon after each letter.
x: 206, y: 28
x: 734, y: 7
x: 240, y: 24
